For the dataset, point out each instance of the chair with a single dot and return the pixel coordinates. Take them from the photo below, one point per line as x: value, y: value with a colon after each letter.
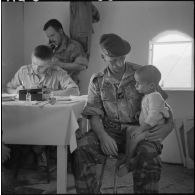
x: 115, y: 183
x: 19, y: 158
x: 185, y: 135
x: 84, y: 125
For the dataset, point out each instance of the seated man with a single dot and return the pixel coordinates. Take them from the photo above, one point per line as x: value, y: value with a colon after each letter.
x: 39, y: 74
x: 111, y: 107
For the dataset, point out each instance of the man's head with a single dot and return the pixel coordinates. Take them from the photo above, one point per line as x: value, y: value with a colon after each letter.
x: 113, y: 50
x: 147, y: 79
x: 41, y: 58
x: 54, y: 31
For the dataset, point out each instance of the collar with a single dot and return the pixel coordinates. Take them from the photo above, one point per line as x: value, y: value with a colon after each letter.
x: 129, y: 70
x: 30, y: 69
x: 128, y: 75
x: 32, y: 72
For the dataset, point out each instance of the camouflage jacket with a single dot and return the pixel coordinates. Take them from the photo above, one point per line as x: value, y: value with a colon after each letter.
x: 115, y: 103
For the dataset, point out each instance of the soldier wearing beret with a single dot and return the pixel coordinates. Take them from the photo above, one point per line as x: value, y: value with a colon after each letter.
x: 111, y: 107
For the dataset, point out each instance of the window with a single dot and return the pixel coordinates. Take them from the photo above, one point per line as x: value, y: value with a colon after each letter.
x: 172, y: 53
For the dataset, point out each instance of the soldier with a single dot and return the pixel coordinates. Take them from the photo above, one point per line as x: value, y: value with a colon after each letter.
x: 111, y: 107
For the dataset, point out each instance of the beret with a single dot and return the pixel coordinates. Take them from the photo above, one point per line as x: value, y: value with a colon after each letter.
x: 113, y: 45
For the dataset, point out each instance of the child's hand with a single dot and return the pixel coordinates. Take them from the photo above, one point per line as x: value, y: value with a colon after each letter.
x: 136, y: 133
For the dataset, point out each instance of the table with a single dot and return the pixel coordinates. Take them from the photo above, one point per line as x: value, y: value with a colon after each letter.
x: 27, y: 123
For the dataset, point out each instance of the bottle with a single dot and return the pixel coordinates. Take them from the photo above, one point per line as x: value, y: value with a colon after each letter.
x: 51, y: 95
x: 28, y: 96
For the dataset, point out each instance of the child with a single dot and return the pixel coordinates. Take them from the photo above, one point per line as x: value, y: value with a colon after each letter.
x: 153, y: 112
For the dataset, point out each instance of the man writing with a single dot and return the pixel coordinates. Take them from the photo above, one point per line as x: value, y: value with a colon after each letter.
x: 39, y: 74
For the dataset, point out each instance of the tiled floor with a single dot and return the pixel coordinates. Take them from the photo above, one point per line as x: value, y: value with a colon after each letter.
x: 175, y: 179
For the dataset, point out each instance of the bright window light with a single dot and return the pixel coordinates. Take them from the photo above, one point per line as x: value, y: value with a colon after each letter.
x: 172, y: 54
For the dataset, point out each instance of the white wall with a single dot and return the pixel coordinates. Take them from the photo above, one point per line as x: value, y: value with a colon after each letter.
x: 12, y: 40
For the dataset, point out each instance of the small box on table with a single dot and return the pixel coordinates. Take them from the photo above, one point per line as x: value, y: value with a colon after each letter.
x: 40, y: 94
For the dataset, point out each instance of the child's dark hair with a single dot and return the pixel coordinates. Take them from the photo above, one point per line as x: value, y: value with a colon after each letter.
x: 150, y: 74
x: 43, y: 52
x: 53, y: 23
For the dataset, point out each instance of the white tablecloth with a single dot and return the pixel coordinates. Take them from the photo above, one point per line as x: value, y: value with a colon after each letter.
x: 27, y: 123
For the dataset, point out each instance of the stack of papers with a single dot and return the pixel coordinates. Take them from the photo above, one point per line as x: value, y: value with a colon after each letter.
x: 71, y: 98
x: 8, y: 97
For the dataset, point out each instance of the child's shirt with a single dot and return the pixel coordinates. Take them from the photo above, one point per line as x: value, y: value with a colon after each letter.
x: 153, y: 110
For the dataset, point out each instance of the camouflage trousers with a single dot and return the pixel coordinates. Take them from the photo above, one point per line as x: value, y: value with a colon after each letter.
x: 146, y: 175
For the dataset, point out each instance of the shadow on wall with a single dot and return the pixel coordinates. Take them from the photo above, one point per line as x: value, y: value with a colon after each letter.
x: 8, y: 69
x: 5, y: 71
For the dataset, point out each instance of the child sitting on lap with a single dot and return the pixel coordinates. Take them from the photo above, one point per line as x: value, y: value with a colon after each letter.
x: 154, y: 110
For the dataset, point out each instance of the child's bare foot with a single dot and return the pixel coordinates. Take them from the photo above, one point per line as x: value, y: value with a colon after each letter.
x: 128, y: 166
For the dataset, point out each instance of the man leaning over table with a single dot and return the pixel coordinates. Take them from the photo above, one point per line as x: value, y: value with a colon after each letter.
x: 40, y: 74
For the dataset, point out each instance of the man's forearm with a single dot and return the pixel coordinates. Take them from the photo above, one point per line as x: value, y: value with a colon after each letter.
x: 12, y: 91
x: 71, y: 66
x: 97, y: 126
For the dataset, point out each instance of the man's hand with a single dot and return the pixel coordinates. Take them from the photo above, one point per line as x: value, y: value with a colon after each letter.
x: 52, y: 68
x: 19, y: 88
x: 108, y: 145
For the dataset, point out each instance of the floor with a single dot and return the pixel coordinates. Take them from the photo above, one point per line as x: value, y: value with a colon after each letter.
x: 30, y: 180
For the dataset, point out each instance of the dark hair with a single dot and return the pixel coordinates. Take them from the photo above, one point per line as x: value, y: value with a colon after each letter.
x: 150, y: 73
x: 43, y: 52
x: 53, y: 23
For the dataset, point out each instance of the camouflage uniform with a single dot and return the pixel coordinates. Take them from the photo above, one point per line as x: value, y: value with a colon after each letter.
x: 71, y: 51
x: 116, y: 104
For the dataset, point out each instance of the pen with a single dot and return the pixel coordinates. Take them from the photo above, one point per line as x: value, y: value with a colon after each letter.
x: 22, y: 84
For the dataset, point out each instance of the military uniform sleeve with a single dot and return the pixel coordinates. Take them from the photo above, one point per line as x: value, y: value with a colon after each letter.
x: 78, y: 55
x: 94, y: 104
x: 65, y: 80
x: 16, y: 80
